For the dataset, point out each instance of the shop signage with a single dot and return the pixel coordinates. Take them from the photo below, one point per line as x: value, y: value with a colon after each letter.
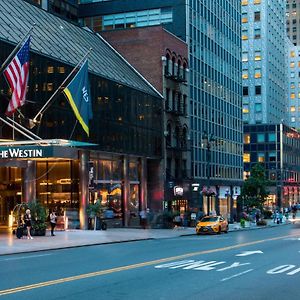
x: 21, y: 153
x: 35, y: 152
x: 178, y: 191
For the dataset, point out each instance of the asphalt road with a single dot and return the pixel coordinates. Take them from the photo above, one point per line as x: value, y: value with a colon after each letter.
x: 257, y: 264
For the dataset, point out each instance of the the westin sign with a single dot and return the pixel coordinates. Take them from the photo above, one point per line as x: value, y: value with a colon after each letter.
x: 20, y: 153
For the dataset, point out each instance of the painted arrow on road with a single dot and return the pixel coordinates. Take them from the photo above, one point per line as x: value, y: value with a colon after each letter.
x: 246, y: 253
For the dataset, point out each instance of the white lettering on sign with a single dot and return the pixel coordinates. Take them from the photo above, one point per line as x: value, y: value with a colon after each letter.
x: 281, y: 269
x: 21, y: 153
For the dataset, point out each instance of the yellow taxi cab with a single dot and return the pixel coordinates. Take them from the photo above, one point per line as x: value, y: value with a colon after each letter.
x: 212, y: 224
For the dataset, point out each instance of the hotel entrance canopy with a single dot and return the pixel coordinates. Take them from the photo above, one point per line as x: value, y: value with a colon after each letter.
x: 41, y: 149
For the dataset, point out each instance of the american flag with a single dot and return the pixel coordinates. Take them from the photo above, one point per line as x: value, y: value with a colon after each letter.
x: 17, y: 73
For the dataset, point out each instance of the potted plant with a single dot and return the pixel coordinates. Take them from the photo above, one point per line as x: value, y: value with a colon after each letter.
x: 95, y: 211
x: 38, y: 217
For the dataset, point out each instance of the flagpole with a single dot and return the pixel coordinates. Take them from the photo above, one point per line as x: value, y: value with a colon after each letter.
x: 42, y: 110
x: 7, y: 123
x: 15, y: 49
x: 23, y: 128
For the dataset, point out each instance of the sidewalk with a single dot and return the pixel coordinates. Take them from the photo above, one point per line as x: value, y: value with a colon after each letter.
x: 9, y: 244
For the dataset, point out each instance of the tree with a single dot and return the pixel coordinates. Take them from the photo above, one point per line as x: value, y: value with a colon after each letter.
x: 254, y: 191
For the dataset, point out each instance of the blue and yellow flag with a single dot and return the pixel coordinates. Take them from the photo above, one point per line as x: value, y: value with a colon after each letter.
x: 78, y: 94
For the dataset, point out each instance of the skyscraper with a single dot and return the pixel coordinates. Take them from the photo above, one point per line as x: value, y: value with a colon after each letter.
x: 264, y: 61
x: 292, y: 22
x: 212, y: 32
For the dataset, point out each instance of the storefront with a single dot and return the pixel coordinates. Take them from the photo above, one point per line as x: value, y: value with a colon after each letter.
x: 67, y: 177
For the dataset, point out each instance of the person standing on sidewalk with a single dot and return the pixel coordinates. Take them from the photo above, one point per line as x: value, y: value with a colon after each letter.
x: 52, y: 222
x: 27, y: 221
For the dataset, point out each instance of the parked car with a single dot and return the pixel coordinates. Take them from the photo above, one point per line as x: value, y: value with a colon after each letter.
x: 212, y: 224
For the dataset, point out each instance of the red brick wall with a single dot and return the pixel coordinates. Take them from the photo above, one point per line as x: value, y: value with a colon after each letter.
x: 144, y: 47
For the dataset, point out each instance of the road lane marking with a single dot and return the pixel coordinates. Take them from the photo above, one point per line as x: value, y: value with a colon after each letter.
x: 236, y: 275
x: 24, y: 257
x: 246, y: 253
x: 131, y: 267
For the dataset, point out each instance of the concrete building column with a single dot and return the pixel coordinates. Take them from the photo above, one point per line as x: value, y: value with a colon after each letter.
x: 29, y: 181
x: 125, y: 191
x: 83, y: 188
x: 143, y: 184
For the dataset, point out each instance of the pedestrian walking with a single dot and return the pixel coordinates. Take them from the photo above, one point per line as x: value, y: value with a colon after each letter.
x: 27, y: 221
x: 143, y: 219
x: 52, y: 222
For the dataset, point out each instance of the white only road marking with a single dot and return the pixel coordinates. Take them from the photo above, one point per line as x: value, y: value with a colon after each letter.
x: 284, y: 268
x: 24, y: 257
x: 246, y: 253
x: 292, y: 239
x: 236, y: 275
x: 199, y: 265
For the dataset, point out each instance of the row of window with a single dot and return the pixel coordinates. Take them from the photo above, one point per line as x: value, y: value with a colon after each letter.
x: 261, y: 157
x: 257, y: 90
x: 257, y: 56
x: 256, y: 17
x: 256, y: 36
x: 260, y: 137
x: 292, y: 64
x: 257, y: 73
x: 246, y: 2
x: 130, y: 19
x: 257, y: 108
x: 176, y: 102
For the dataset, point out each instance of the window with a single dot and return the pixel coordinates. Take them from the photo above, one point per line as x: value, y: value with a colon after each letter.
x: 257, y: 33
x: 260, y: 137
x: 244, y: 2
x: 292, y: 74
x: 244, y: 35
x: 245, y: 108
x: 272, y: 156
x: 258, y: 90
x: 257, y: 73
x: 258, y: 107
x: 50, y: 70
x: 293, y: 119
x: 260, y: 157
x: 292, y: 96
x: 245, y: 74
x: 292, y: 86
x: 246, y: 157
x: 293, y: 109
x: 245, y: 56
x: 292, y: 54
x: 292, y: 64
x: 256, y: 16
x: 244, y: 18
x: 272, y: 137
x: 246, y: 138
x: 257, y: 55
x: 245, y: 91
x: 256, y: 1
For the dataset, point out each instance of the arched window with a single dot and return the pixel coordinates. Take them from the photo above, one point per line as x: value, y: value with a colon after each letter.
x: 179, y: 69
x: 173, y: 65
x: 168, y: 58
x: 184, y: 71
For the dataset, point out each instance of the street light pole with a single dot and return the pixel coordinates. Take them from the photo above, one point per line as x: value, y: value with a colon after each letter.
x: 207, y: 140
